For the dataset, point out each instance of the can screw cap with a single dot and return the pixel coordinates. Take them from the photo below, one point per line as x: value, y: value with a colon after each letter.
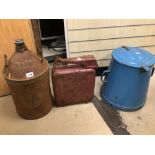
x: 19, y: 41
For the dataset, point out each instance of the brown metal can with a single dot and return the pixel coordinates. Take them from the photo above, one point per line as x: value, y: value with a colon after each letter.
x: 74, y: 81
x: 27, y: 76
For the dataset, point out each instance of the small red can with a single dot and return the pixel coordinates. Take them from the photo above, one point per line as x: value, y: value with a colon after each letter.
x: 74, y: 82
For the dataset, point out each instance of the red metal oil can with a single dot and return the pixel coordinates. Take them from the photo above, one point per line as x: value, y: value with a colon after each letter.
x: 74, y: 82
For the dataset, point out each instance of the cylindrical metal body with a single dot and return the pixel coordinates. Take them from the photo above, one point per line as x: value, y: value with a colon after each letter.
x: 32, y: 98
x: 27, y: 76
x: 125, y: 87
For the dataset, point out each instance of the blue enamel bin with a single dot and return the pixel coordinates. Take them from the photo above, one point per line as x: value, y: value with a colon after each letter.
x: 126, y: 81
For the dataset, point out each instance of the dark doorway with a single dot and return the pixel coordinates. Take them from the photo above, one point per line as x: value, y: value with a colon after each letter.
x: 52, y: 38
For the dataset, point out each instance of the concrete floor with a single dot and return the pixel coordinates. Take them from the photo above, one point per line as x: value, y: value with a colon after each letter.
x: 139, y: 122
x: 143, y: 120
x: 77, y: 119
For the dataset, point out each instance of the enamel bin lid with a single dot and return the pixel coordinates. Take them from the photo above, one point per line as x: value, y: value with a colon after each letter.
x: 133, y: 56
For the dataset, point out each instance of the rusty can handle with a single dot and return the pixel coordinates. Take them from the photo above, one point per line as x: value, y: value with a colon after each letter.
x: 68, y: 61
x: 5, y: 63
x: 6, y: 60
x: 59, y: 60
x: 54, y: 65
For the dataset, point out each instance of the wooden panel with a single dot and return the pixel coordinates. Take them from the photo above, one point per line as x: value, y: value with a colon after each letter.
x: 110, y: 44
x: 66, y: 37
x: 100, y: 55
x: 36, y: 35
x: 10, y: 30
x: 97, y: 54
x: 103, y: 57
x: 103, y: 63
x: 150, y: 49
x: 100, y: 36
x: 106, y: 33
x: 100, y: 61
x: 94, y: 23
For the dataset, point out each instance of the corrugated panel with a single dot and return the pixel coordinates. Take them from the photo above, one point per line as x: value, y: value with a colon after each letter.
x: 105, y: 55
x: 110, y: 44
x: 150, y: 49
x: 100, y: 36
x: 96, y: 23
x: 109, y: 33
x: 103, y: 62
x: 97, y: 54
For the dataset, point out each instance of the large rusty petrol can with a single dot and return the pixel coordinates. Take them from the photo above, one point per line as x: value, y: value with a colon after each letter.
x: 27, y: 76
